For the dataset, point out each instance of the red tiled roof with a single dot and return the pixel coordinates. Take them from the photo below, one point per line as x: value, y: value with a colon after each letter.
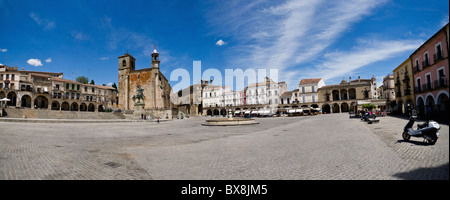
x: 310, y: 81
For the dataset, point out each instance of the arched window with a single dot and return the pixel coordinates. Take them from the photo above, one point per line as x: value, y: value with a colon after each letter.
x: 124, y: 63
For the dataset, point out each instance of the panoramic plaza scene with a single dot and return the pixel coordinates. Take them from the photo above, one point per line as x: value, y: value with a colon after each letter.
x: 289, y: 90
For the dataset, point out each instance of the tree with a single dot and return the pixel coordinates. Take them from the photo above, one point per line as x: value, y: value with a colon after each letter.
x: 114, y: 85
x: 368, y: 106
x: 82, y: 79
x: 92, y: 82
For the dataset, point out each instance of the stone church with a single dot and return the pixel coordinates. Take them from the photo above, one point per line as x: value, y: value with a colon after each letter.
x: 156, y: 88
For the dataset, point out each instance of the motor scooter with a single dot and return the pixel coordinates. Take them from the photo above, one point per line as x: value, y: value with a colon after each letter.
x: 366, y: 117
x: 428, y: 130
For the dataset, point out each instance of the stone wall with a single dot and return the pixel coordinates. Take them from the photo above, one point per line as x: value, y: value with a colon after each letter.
x: 54, y: 114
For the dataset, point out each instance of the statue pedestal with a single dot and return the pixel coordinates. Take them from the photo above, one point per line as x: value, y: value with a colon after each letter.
x: 139, y: 108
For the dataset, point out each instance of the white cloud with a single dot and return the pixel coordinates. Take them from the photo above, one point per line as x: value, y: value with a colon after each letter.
x: 109, y: 84
x: 288, y: 34
x: 220, y: 43
x: 80, y: 35
x: 3, y: 50
x: 47, y: 24
x: 338, y: 63
x: 35, y: 62
x: 104, y: 58
x: 48, y: 60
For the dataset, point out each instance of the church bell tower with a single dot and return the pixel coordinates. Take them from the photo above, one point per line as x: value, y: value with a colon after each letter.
x: 155, y: 58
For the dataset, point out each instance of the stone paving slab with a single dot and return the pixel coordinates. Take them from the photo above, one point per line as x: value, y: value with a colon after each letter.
x: 324, y: 147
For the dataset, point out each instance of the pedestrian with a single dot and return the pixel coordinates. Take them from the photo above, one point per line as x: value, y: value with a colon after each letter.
x: 158, y: 120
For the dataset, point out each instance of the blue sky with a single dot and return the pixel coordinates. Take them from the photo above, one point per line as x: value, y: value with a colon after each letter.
x: 302, y: 39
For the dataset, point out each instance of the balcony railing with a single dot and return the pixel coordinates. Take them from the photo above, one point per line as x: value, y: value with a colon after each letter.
x: 425, y: 64
x: 440, y: 84
x: 418, y: 89
x: 416, y: 68
x: 437, y: 57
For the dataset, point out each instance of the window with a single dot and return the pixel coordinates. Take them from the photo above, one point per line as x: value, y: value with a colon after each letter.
x: 67, y: 85
x: 73, y: 86
x: 304, y: 99
x: 7, y: 76
x: 1, y: 85
x: 12, y: 76
x: 85, y: 89
x: 93, y: 90
x: 313, y: 98
x: 78, y: 87
x: 419, y: 85
x: 303, y: 89
x: 428, y: 79
x: 312, y: 88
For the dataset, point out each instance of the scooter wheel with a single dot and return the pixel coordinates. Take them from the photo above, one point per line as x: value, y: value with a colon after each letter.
x: 406, y: 136
x: 433, y: 139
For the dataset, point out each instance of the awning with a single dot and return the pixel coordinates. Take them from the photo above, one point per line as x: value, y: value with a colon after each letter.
x: 260, y: 111
x: 299, y: 110
x: 291, y: 111
x: 266, y: 111
x: 254, y: 111
x: 237, y: 112
x: 247, y: 112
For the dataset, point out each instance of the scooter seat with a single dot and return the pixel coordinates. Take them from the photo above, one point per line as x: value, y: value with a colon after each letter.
x: 422, y: 125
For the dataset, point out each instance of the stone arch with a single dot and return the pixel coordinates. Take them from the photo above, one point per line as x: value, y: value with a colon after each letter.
x: 344, y: 107
x: 429, y: 103
x: 41, y: 102
x: 91, y: 107
x: 74, y: 106
x: 101, y: 108
x: 25, y: 101
x: 83, y: 107
x: 223, y: 111
x: 336, y: 108
x: 420, y: 106
x: 315, y: 106
x: 55, y: 105
x: 65, y: 106
x: 12, y: 96
x: 209, y: 112
x: 216, y: 112
x: 442, y: 102
x: 352, y: 93
x: 343, y: 93
x: 335, y: 95
x: 2, y: 94
x: 326, y: 109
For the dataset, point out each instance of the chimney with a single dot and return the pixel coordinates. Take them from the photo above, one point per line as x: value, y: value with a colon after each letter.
x: 359, y: 79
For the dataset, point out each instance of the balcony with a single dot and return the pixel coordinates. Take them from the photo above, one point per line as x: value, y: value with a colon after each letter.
x: 426, y: 87
x: 418, y: 89
x: 437, y: 57
x: 425, y: 64
x: 416, y: 69
x: 438, y: 84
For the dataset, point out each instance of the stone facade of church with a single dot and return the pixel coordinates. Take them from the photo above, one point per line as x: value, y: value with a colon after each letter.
x: 157, y: 90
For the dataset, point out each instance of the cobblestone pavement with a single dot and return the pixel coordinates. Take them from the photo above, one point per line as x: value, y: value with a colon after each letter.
x: 325, y: 147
